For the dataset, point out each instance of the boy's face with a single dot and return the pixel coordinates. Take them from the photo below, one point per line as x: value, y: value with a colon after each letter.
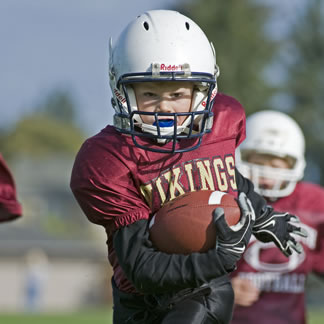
x: 270, y: 161
x: 164, y: 97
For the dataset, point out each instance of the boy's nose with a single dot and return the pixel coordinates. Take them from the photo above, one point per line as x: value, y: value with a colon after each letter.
x: 164, y: 106
x: 266, y: 183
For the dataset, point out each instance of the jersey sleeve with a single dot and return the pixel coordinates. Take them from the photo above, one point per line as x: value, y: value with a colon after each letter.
x: 312, y: 209
x: 318, y: 252
x: 229, y: 118
x: 246, y: 186
x: 240, y: 123
x: 10, y: 208
x: 104, y: 188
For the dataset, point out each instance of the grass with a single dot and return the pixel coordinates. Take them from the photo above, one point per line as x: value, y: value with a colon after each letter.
x: 84, y: 317
x: 315, y: 316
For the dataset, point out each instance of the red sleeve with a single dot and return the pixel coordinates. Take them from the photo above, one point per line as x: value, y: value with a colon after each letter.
x: 241, y: 131
x: 318, y: 257
x: 310, y: 202
x: 104, y: 187
x: 9, y: 206
x: 229, y: 118
x: 238, y: 118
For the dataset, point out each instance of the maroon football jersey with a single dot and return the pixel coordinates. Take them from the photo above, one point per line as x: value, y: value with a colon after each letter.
x: 117, y: 183
x: 9, y: 206
x: 280, y: 279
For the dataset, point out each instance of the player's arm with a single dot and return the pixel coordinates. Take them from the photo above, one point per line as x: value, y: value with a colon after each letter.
x: 245, y: 185
x: 10, y: 208
x: 114, y: 202
x: 245, y: 292
x: 125, y: 218
x: 271, y: 225
x: 6, y: 215
x: 152, y: 271
x: 318, y: 252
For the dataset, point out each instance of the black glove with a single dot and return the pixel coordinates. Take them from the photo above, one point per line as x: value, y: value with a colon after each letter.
x: 232, y: 240
x: 277, y: 227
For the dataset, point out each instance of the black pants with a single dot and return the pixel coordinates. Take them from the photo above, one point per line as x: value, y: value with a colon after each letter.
x: 201, y: 306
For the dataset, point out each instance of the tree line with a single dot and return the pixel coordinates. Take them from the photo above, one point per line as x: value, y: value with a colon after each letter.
x: 263, y: 68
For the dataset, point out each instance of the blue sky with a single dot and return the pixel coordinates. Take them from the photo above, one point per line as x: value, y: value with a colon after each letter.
x: 63, y: 43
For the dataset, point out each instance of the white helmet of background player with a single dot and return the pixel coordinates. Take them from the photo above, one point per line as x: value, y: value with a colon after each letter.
x: 276, y: 134
x: 163, y: 45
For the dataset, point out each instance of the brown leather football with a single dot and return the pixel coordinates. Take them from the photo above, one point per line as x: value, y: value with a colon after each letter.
x: 184, y: 225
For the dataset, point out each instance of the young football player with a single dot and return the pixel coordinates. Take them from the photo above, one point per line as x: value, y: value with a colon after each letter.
x: 270, y: 288
x: 172, y: 134
x: 10, y: 208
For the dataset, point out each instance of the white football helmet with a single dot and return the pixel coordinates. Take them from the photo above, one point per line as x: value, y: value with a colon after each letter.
x: 276, y: 134
x: 163, y: 45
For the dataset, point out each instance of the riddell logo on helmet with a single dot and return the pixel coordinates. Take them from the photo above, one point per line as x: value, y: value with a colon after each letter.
x: 119, y: 96
x: 170, y: 67
x: 211, y: 98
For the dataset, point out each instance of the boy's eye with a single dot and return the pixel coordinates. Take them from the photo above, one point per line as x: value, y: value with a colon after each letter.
x: 149, y: 94
x: 177, y: 95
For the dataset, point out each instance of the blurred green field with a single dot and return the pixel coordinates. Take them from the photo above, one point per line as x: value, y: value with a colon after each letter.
x: 85, y: 317
x: 315, y: 316
x: 98, y: 317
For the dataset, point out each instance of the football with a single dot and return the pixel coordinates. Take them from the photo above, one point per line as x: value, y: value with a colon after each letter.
x: 184, y: 225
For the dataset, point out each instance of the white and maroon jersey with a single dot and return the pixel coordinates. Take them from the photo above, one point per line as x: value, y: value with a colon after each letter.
x: 9, y: 206
x: 117, y: 184
x: 280, y: 279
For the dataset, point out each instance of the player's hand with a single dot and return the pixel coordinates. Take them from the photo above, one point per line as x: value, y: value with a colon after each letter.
x: 277, y: 227
x: 232, y: 240
x: 245, y: 292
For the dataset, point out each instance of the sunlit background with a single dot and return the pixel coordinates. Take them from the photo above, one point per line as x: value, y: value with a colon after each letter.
x: 54, y: 93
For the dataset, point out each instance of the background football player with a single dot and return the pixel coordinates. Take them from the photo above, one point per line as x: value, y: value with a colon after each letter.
x: 173, y: 133
x: 267, y: 285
